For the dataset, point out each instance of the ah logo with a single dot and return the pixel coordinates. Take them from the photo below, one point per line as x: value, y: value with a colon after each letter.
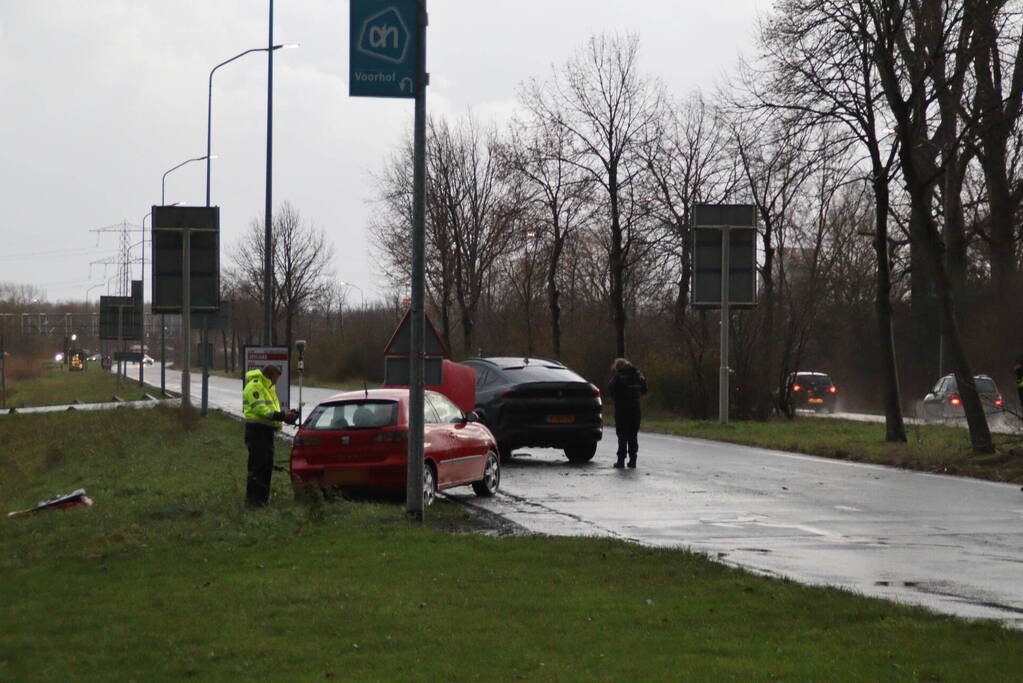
x: 385, y: 36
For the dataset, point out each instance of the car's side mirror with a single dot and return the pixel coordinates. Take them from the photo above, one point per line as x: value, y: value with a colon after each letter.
x: 471, y: 416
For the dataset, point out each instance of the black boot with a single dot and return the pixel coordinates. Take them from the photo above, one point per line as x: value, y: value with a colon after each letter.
x: 621, y: 462
x: 632, y: 462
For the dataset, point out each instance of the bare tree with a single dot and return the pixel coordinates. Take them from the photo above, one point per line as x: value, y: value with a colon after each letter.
x: 608, y: 108
x: 540, y: 153
x: 921, y: 52
x: 471, y: 213
x: 819, y: 57
x: 301, y: 260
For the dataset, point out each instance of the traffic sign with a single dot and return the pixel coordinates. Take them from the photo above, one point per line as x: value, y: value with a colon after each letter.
x: 382, y: 48
x: 734, y: 224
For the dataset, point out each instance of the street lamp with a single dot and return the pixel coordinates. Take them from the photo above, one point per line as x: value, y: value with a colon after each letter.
x: 209, y: 105
x: 362, y: 295
x: 163, y: 182
x: 90, y: 290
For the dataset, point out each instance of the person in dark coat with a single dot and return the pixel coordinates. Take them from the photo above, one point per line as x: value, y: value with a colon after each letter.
x: 1018, y: 369
x: 625, y: 387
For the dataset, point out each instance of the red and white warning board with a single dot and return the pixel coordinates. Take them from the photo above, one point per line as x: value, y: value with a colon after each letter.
x: 258, y: 357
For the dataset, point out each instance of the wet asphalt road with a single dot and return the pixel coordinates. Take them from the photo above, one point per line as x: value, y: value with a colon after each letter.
x: 948, y: 543
x: 951, y: 544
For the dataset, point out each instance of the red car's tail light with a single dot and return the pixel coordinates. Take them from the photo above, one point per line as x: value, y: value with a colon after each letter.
x: 303, y: 440
x: 833, y: 389
x: 953, y: 399
x: 395, y: 436
x: 998, y: 401
x: 796, y: 387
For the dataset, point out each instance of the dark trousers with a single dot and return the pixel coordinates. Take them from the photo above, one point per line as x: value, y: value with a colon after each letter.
x: 260, y: 441
x: 628, y: 439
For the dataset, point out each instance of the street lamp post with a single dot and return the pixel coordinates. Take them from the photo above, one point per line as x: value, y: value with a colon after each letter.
x: 268, y: 212
x: 163, y: 182
x: 209, y: 107
x: 362, y: 294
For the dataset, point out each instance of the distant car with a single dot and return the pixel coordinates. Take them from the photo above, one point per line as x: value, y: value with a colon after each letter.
x: 359, y: 440
x: 538, y: 402
x: 95, y: 357
x: 146, y: 360
x: 943, y: 401
x: 812, y: 391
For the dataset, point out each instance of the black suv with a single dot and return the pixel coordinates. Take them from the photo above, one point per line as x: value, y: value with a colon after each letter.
x: 537, y: 402
x: 811, y: 390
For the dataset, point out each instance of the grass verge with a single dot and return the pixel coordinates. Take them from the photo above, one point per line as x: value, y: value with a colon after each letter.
x: 169, y: 577
x: 58, y: 385
x: 930, y: 448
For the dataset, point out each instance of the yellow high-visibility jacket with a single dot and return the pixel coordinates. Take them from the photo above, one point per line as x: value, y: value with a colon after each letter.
x: 259, y: 400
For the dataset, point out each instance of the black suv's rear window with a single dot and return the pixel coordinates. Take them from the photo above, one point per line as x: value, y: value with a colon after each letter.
x: 540, y: 373
x: 354, y: 415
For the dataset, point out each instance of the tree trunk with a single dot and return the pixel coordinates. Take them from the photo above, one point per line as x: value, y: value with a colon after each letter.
x: 617, y: 267
x: 895, y: 429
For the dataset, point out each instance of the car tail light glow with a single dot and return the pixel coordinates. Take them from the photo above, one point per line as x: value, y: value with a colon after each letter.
x: 796, y: 387
x: 833, y: 389
x: 998, y: 401
x: 394, y: 436
x: 303, y: 440
x: 954, y: 399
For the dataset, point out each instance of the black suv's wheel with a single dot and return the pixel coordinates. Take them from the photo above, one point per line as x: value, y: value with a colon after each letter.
x: 581, y: 452
x: 491, y: 481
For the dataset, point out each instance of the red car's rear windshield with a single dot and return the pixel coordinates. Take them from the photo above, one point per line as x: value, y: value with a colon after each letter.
x: 366, y: 414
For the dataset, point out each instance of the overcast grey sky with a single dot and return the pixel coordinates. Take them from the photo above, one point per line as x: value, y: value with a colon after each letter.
x: 100, y: 97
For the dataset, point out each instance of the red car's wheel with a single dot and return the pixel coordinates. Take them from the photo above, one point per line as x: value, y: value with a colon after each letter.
x: 429, y: 485
x: 491, y: 481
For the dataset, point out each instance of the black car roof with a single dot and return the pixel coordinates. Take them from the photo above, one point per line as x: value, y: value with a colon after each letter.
x: 506, y: 362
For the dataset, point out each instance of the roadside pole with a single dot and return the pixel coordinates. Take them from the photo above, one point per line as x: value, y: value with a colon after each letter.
x: 203, y: 334
x: 414, y: 481
x: 186, y: 316
x: 723, y: 393
x: 3, y: 372
x: 163, y: 357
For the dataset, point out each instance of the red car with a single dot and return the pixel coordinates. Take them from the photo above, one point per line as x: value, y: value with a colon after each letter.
x: 359, y: 440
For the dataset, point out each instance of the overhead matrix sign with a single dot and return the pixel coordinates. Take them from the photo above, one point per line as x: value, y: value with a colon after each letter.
x: 382, y: 48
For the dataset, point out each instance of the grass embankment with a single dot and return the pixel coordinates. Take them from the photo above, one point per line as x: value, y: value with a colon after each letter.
x: 169, y: 577
x: 56, y: 385
x: 930, y: 448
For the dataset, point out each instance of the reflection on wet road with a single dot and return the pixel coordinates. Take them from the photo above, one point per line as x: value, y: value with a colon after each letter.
x: 951, y: 544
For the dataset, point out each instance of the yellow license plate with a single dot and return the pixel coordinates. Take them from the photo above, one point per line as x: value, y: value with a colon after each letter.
x: 561, y: 419
x: 816, y: 400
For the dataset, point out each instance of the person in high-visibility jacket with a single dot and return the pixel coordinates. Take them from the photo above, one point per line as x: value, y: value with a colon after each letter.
x: 263, y: 419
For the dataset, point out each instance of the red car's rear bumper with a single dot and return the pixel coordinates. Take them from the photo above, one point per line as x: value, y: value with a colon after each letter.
x: 382, y: 476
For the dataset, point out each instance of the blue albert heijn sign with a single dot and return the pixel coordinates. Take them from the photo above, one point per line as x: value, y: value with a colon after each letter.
x: 382, y: 48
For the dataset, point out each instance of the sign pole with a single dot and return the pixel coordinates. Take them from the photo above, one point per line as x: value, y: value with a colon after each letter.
x: 3, y: 373
x: 203, y: 336
x: 163, y: 356
x: 414, y: 481
x: 723, y: 393
x: 186, y: 316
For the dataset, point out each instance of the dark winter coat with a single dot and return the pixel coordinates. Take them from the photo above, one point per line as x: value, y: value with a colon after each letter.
x: 625, y: 387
